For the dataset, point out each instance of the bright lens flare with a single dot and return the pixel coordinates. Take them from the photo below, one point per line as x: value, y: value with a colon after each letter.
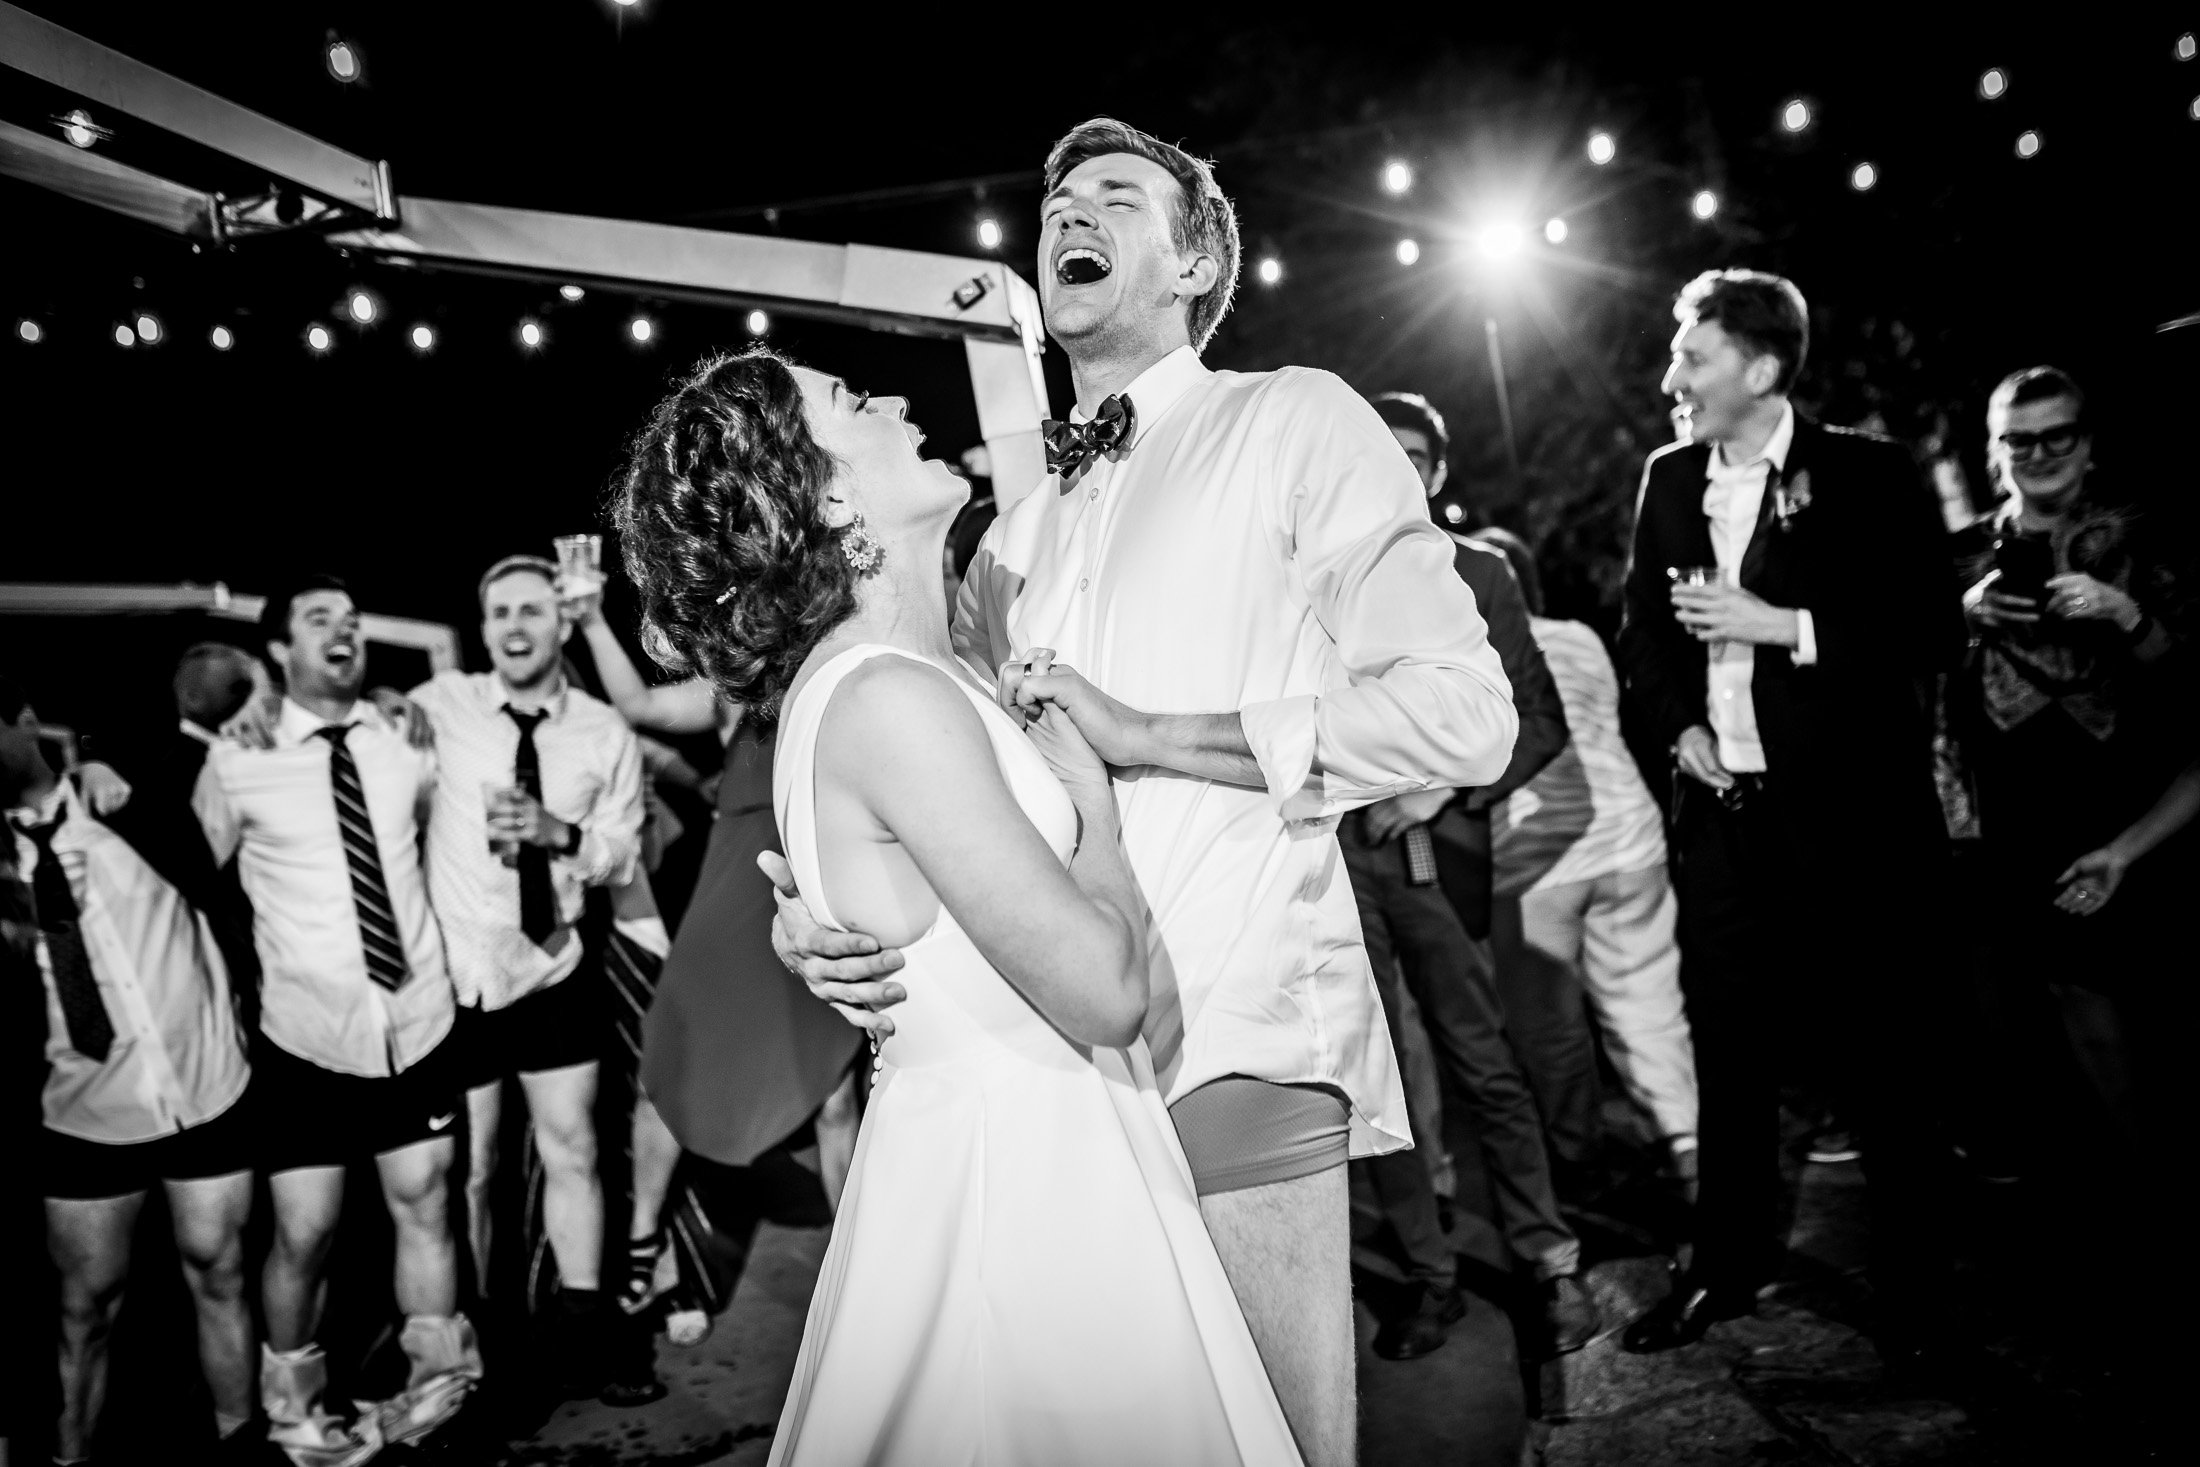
x: 1556, y: 231
x: 1408, y: 251
x: 1270, y: 271
x: 1500, y: 242
x: 1993, y: 83
x: 1704, y: 205
x: 1397, y: 176
x: 77, y: 128
x: 989, y: 234
x: 1602, y: 148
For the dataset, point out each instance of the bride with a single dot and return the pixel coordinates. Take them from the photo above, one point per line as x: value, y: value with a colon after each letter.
x: 1018, y: 1273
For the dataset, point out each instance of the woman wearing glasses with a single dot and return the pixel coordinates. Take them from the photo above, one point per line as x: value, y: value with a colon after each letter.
x: 2076, y: 727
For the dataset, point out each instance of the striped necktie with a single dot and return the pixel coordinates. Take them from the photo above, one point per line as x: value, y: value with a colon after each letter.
x: 370, y: 894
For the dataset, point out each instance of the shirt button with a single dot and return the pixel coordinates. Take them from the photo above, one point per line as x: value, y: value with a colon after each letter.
x: 1095, y: 492
x: 1085, y: 583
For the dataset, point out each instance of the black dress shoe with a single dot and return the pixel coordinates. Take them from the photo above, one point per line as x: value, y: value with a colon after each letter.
x: 1410, y: 1336
x: 1683, y: 1316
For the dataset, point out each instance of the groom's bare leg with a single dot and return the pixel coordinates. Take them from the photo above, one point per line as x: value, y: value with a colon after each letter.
x: 1287, y: 1249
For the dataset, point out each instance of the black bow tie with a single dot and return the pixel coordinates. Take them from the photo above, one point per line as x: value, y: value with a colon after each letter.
x: 1070, y: 446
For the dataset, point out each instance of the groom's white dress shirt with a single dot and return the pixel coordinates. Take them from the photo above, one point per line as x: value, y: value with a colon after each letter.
x: 1733, y: 497
x: 1261, y: 546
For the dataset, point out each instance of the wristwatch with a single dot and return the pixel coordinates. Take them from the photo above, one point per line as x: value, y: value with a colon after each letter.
x: 572, y: 842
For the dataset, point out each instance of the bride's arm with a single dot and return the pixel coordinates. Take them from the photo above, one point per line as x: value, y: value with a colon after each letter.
x: 909, y: 745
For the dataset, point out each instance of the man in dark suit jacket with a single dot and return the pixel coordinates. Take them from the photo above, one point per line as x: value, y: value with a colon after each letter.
x: 1787, y: 603
x: 1420, y: 867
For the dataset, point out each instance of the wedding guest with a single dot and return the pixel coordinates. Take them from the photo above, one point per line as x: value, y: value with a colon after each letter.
x: 2077, y: 716
x: 1585, y: 908
x: 145, y: 1075
x: 1432, y: 934
x: 538, y: 797
x: 355, y: 1013
x: 1787, y: 599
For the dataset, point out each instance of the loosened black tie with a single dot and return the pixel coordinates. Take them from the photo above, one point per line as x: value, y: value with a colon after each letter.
x: 370, y: 893
x: 538, y: 902
x: 1070, y: 446
x: 91, y: 1032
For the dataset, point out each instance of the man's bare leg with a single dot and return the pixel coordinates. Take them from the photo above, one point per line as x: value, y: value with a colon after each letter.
x: 90, y: 1243
x: 484, y: 1114
x: 307, y: 1200
x: 562, y: 1104
x: 210, y: 1214
x: 1287, y: 1249
x: 414, y: 1186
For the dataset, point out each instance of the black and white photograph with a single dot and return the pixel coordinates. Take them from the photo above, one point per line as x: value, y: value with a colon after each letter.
x: 751, y: 736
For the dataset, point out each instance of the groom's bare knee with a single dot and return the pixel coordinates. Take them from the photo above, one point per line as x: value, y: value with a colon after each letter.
x: 1286, y: 1247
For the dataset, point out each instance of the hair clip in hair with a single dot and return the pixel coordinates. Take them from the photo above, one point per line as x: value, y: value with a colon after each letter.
x: 723, y: 597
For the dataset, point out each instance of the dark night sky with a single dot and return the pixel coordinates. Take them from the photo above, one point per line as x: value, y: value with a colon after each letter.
x: 406, y: 474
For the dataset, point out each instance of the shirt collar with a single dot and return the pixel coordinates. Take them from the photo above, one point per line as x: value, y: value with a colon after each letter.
x: 1157, y: 389
x: 297, y: 723
x: 499, y: 696
x: 1775, y: 450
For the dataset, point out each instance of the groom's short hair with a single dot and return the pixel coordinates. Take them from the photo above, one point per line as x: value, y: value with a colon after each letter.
x: 1763, y: 313
x: 1201, y: 222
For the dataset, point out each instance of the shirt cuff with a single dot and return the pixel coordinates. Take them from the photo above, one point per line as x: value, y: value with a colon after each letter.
x: 1281, y: 735
x: 1806, y: 640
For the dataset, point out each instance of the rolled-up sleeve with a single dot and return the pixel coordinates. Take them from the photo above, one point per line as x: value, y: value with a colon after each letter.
x: 1425, y: 701
x: 611, y: 832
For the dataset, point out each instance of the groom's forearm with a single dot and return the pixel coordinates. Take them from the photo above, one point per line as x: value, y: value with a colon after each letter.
x: 1206, y: 745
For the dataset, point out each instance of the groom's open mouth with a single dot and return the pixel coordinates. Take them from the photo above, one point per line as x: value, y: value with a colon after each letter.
x: 1082, y: 265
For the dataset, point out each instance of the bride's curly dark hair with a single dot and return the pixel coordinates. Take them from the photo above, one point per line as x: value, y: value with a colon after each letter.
x: 721, y: 520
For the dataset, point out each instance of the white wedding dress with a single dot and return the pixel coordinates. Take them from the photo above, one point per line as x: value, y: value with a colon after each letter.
x: 1018, y: 1275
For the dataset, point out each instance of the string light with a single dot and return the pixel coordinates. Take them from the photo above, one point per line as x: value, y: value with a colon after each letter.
x: 2187, y: 47
x: 29, y: 331
x: 759, y: 323
x: 1795, y: 116
x: 1602, y: 148
x: 363, y: 307
x: 2028, y: 144
x: 571, y: 292
x: 221, y: 338
x: 1408, y: 251
x: 318, y: 338
x: 2194, y: 110
x: 1993, y: 83
x: 530, y: 335
x: 77, y: 128
x: 989, y: 234
x: 342, y: 58
x: 1269, y: 270
x: 423, y: 338
x: 1704, y: 205
x: 148, y: 328
x: 1555, y: 231
x: 641, y: 328
x: 124, y: 336
x: 1863, y: 176
x: 1397, y: 176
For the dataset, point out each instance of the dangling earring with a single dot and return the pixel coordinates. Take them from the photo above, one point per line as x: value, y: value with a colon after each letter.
x: 862, y: 551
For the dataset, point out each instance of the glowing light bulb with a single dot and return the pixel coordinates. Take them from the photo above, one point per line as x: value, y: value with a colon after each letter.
x: 343, y: 60
x: 530, y: 335
x: 1863, y: 176
x: 1270, y: 271
x: 1408, y: 251
x: 221, y: 338
x: 1397, y: 176
x: 759, y: 323
x: 1993, y: 82
x: 989, y: 234
x: 29, y: 331
x: 1555, y: 231
x: 2187, y: 47
x: 362, y: 307
x: 1602, y: 148
x: 124, y: 336
x: 318, y: 338
x: 1501, y: 241
x: 2028, y: 144
x: 641, y: 328
x: 1795, y: 116
x: 77, y: 128
x: 148, y: 328
x: 423, y: 337
x: 1704, y: 205
x: 571, y: 292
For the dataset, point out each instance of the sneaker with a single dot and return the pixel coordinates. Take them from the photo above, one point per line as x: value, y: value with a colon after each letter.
x: 1832, y: 1147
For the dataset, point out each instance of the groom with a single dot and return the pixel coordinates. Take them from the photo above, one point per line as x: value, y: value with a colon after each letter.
x: 1243, y: 567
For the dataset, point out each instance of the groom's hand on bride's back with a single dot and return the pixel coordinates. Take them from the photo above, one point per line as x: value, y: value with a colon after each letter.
x: 846, y: 969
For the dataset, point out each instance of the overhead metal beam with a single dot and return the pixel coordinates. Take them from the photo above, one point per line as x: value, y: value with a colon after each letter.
x: 92, y: 179
x: 36, y: 598
x: 99, y: 74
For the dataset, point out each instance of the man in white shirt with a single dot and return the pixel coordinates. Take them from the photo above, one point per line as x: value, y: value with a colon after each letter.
x: 1788, y: 602
x: 1244, y: 568
x: 355, y: 1009
x: 145, y: 1074
x: 538, y: 797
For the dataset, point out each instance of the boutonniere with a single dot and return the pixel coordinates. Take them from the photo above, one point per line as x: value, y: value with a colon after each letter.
x: 1790, y: 498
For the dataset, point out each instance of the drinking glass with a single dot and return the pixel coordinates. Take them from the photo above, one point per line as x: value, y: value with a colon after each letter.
x: 580, y: 565
x: 495, y: 795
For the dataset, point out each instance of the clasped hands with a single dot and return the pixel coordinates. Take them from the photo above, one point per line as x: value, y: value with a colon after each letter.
x: 1723, y: 613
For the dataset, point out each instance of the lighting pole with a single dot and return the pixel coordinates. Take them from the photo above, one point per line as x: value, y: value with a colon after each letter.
x: 1504, y: 401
